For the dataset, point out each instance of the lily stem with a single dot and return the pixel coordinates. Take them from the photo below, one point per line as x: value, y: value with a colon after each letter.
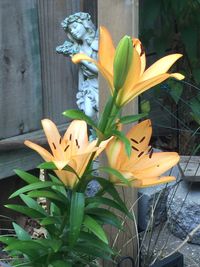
x: 105, y: 124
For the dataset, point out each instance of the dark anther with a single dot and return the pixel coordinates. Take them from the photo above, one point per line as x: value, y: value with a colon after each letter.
x: 151, y: 153
x: 141, y: 154
x: 134, y: 148
x: 142, y: 139
x: 70, y: 137
x: 60, y: 140
x: 158, y: 166
x: 54, y: 145
x: 66, y: 148
x: 77, y: 143
x: 142, y: 50
x: 134, y: 141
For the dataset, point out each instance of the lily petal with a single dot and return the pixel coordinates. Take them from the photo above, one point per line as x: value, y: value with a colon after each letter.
x: 159, y: 163
x: 143, y: 86
x: 102, y: 68
x: 139, y: 136
x: 53, y: 137
x: 161, y: 66
x: 77, y: 132
x: 113, y: 150
x: 133, y: 73
x: 139, y: 48
x: 106, y: 50
x: 40, y: 150
x: 153, y: 181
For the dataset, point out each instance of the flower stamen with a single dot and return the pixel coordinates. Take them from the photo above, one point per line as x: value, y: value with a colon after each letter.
x: 54, y: 145
x: 134, y: 141
x: 140, y: 154
x: 142, y: 139
x: 151, y: 153
x: 134, y: 148
x: 66, y: 148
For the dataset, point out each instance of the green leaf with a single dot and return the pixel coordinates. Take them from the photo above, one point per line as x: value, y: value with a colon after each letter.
x: 20, y: 232
x: 61, y: 189
x: 125, y: 140
x: 49, y: 221
x: 145, y: 106
x: 54, y: 244
x: 132, y: 118
x: 27, y: 177
x: 60, y: 263
x: 49, y: 194
x: 96, y: 201
x: 105, y: 114
x: 38, y: 185
x: 116, y: 173
x: 109, y: 188
x: 7, y: 239
x: 31, y: 248
x: 79, y: 115
x: 31, y: 203
x: 25, y: 210
x: 105, y: 216
x: 95, y: 228
x: 76, y: 216
x: 176, y: 90
x: 92, y: 240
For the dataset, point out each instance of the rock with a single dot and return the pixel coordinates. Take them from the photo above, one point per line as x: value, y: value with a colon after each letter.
x: 148, y: 197
x: 184, y: 211
x: 4, y: 264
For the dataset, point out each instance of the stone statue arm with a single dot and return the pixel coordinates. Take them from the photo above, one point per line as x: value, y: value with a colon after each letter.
x: 90, y: 66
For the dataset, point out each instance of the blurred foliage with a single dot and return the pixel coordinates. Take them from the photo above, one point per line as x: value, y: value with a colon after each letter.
x: 168, y: 25
x: 173, y: 26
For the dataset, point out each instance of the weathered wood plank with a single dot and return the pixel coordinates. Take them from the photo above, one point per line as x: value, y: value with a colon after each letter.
x: 59, y: 75
x: 15, y: 155
x: 17, y: 142
x: 190, y: 166
x: 90, y: 6
x: 20, y: 79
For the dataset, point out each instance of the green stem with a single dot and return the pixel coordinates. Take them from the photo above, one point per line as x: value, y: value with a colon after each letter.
x: 63, y: 223
x: 105, y: 124
x: 48, y: 258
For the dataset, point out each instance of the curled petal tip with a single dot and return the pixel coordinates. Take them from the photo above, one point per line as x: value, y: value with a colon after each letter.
x: 178, y: 76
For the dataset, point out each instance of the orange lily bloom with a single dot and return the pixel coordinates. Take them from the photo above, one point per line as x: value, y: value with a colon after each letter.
x: 73, y: 149
x: 138, y: 80
x: 144, y: 167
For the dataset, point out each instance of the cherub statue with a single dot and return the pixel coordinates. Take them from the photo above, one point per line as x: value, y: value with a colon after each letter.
x: 83, y: 37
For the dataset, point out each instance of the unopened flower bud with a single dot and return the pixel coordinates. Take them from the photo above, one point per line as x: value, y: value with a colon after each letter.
x: 122, y: 61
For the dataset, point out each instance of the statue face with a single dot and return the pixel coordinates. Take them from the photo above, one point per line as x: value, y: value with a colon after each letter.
x: 77, y: 30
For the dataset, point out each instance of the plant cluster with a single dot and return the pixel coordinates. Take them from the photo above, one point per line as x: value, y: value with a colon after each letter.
x: 73, y: 222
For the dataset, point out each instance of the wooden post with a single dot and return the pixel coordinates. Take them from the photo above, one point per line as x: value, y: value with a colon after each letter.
x: 120, y: 17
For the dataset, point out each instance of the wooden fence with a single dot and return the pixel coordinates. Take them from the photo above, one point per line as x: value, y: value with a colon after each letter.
x: 35, y: 82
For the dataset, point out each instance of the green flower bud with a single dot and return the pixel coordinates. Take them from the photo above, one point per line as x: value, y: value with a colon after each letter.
x: 145, y: 106
x: 122, y: 61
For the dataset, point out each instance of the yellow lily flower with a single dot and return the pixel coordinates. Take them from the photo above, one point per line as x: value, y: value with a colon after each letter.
x: 138, y: 79
x: 144, y: 167
x: 73, y: 149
